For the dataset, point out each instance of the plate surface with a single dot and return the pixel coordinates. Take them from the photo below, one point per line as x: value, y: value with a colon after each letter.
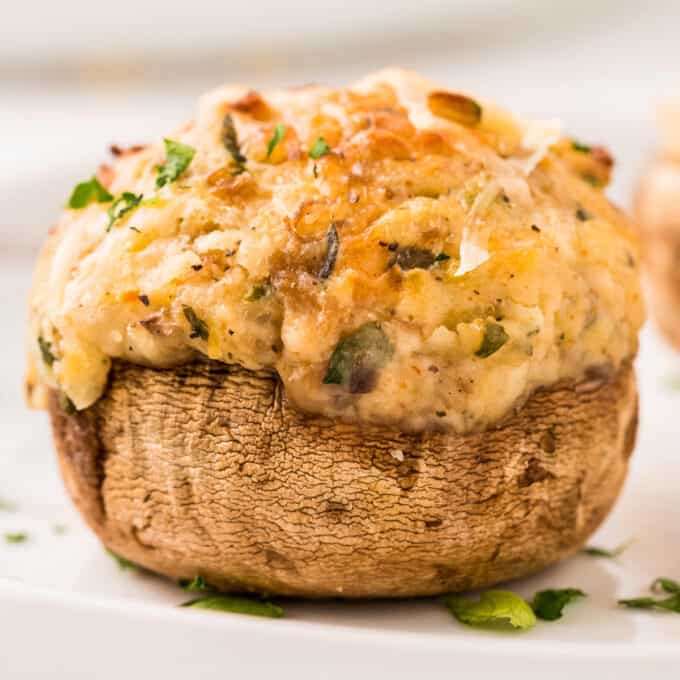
x: 66, y: 608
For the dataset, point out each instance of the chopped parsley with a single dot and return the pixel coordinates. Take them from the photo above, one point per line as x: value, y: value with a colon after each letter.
x: 123, y: 563
x: 230, y: 141
x: 578, y: 146
x: 178, y: 156
x: 592, y: 180
x: 493, y: 608
x: 549, y: 604
x: 46, y: 353
x: 331, y: 252
x: 66, y: 404
x: 259, y: 291
x: 666, y: 585
x: 279, y: 132
x: 84, y: 193
x: 16, y: 537
x: 197, y: 585
x: 412, y: 258
x: 494, y: 338
x: 199, y: 329
x: 357, y: 358
x: 595, y: 551
x: 144, y: 299
x: 670, y: 603
x: 319, y: 148
x: 125, y: 203
x: 582, y: 214
x: 236, y: 605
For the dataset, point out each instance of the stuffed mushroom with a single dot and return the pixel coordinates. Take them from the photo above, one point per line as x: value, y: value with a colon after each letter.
x: 657, y: 209
x: 372, y: 341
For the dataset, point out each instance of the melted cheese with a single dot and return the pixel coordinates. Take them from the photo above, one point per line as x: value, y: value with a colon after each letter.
x: 531, y: 247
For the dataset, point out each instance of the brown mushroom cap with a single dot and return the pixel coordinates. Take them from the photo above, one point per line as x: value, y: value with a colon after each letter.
x: 206, y: 470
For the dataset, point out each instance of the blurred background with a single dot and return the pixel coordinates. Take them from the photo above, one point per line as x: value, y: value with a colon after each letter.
x: 76, y: 76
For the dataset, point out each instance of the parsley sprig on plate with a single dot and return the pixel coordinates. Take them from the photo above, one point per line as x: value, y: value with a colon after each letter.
x: 660, y: 585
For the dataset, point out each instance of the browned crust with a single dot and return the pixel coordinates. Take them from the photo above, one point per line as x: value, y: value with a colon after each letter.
x: 206, y: 470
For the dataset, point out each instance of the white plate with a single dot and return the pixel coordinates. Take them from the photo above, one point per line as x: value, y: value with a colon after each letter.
x: 66, y: 610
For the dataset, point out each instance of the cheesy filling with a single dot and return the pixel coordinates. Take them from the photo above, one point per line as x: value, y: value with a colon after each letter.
x: 398, y: 254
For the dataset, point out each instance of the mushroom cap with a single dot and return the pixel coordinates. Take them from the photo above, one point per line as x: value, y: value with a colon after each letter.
x: 206, y: 470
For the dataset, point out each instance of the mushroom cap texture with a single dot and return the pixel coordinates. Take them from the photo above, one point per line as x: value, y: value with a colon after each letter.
x: 206, y: 470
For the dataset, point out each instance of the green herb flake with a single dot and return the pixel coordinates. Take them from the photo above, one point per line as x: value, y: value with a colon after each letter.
x: 66, y: 404
x: 236, y: 605
x: 16, y: 537
x: 46, y: 353
x: 124, y: 204
x: 665, y: 585
x: 578, y: 146
x: 596, y: 551
x: 582, y: 215
x: 671, y: 603
x: 196, y: 585
x: 357, y: 358
x: 178, y: 156
x: 259, y: 291
x: 639, y: 603
x: 494, y: 338
x: 333, y: 241
x: 319, y: 148
x: 494, y: 608
x: 123, y: 563
x: 279, y: 132
x: 231, y: 144
x: 84, y: 193
x: 660, y: 585
x: 199, y: 328
x: 442, y: 257
x: 412, y: 257
x: 549, y: 604
x: 592, y: 180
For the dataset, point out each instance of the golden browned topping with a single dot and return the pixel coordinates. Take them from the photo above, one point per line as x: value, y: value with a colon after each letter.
x: 398, y: 253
